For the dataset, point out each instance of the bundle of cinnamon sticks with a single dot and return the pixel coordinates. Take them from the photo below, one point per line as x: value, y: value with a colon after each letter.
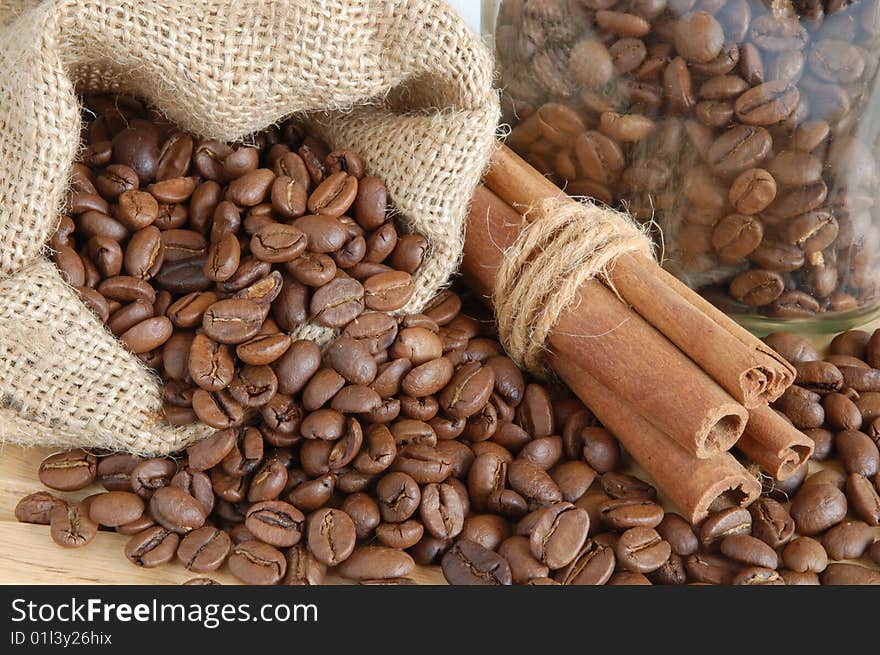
x: 678, y: 382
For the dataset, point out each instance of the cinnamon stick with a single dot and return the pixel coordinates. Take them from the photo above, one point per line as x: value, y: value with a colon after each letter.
x: 774, y: 444
x: 694, y: 485
x: 743, y: 365
x: 627, y: 355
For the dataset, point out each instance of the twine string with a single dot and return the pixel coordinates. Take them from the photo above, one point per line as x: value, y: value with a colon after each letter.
x: 562, y: 245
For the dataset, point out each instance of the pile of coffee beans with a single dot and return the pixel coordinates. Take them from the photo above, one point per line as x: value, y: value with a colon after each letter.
x: 446, y: 453
x: 459, y: 459
x: 201, y: 257
x: 738, y: 127
x: 408, y: 440
x: 836, y: 402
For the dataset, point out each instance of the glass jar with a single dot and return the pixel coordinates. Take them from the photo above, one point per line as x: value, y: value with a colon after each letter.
x: 743, y: 132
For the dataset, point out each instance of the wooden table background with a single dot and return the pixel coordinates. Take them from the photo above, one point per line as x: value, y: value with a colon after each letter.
x: 29, y: 556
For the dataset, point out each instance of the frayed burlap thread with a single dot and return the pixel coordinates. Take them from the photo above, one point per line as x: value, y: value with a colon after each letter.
x: 563, y: 244
x: 405, y: 83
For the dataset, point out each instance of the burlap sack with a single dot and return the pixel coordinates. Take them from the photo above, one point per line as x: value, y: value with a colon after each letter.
x: 406, y: 83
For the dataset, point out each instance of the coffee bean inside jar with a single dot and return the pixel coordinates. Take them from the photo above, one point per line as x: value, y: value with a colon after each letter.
x: 737, y: 128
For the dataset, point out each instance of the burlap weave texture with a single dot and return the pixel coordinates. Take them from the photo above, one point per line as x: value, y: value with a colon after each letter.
x: 405, y: 83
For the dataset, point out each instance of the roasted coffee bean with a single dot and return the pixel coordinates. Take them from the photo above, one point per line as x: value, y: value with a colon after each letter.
x: 376, y: 562
x: 698, y: 37
x: 805, y: 554
x: 388, y: 291
x: 819, y: 377
x: 115, y: 508
x: 817, y: 507
x: 105, y: 253
x: 183, y: 245
x: 70, y: 525
x: 253, y: 386
x: 428, y: 378
x: 738, y: 149
x: 793, y: 348
x: 147, y: 335
x: 709, y: 568
x: 352, y: 359
x: 204, y: 549
x: 335, y: 195
x: 750, y: 551
x: 364, y: 513
x: 337, y: 303
x: 864, y: 498
x: 303, y: 568
x: 593, y: 565
x: 543, y: 452
x: 312, y: 494
x: 736, y: 236
x: 217, y: 409
x: 398, y: 496
x: 36, y: 508
x: 210, y: 363
x: 628, y: 578
x: 848, y: 540
x: 321, y: 388
x: 326, y: 424
x: 210, y: 452
x: 849, y: 574
x: 400, y: 535
x: 857, y: 452
x: 621, y: 485
x: 523, y: 565
x: 442, y: 511
x: 841, y: 413
x: 488, y: 530
x: 68, y: 471
x: 559, y: 534
x: 726, y: 523
x: 424, y: 463
x: 256, y: 563
x: 771, y: 522
x: 642, y: 550
x: 468, y: 563
x: 275, y: 522
x: 152, y: 547
x: 232, y: 321
x: 150, y: 475
x: 757, y: 287
x: 289, y: 197
x: 331, y: 536
x: 756, y: 575
x: 251, y: 188
x: 196, y: 484
x: 409, y: 253
x: 135, y: 527
x: 600, y: 449
x: 533, y: 482
x: 268, y: 349
x: 176, y: 510
x: 268, y: 481
x: 679, y: 533
x: 379, y: 450
x: 223, y: 258
x: 468, y: 390
x: 625, y: 513
x: 278, y: 243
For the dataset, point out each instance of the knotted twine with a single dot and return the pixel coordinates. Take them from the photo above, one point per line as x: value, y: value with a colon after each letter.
x: 563, y: 244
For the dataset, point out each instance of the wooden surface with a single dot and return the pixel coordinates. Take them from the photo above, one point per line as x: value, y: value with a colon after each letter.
x: 29, y: 556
